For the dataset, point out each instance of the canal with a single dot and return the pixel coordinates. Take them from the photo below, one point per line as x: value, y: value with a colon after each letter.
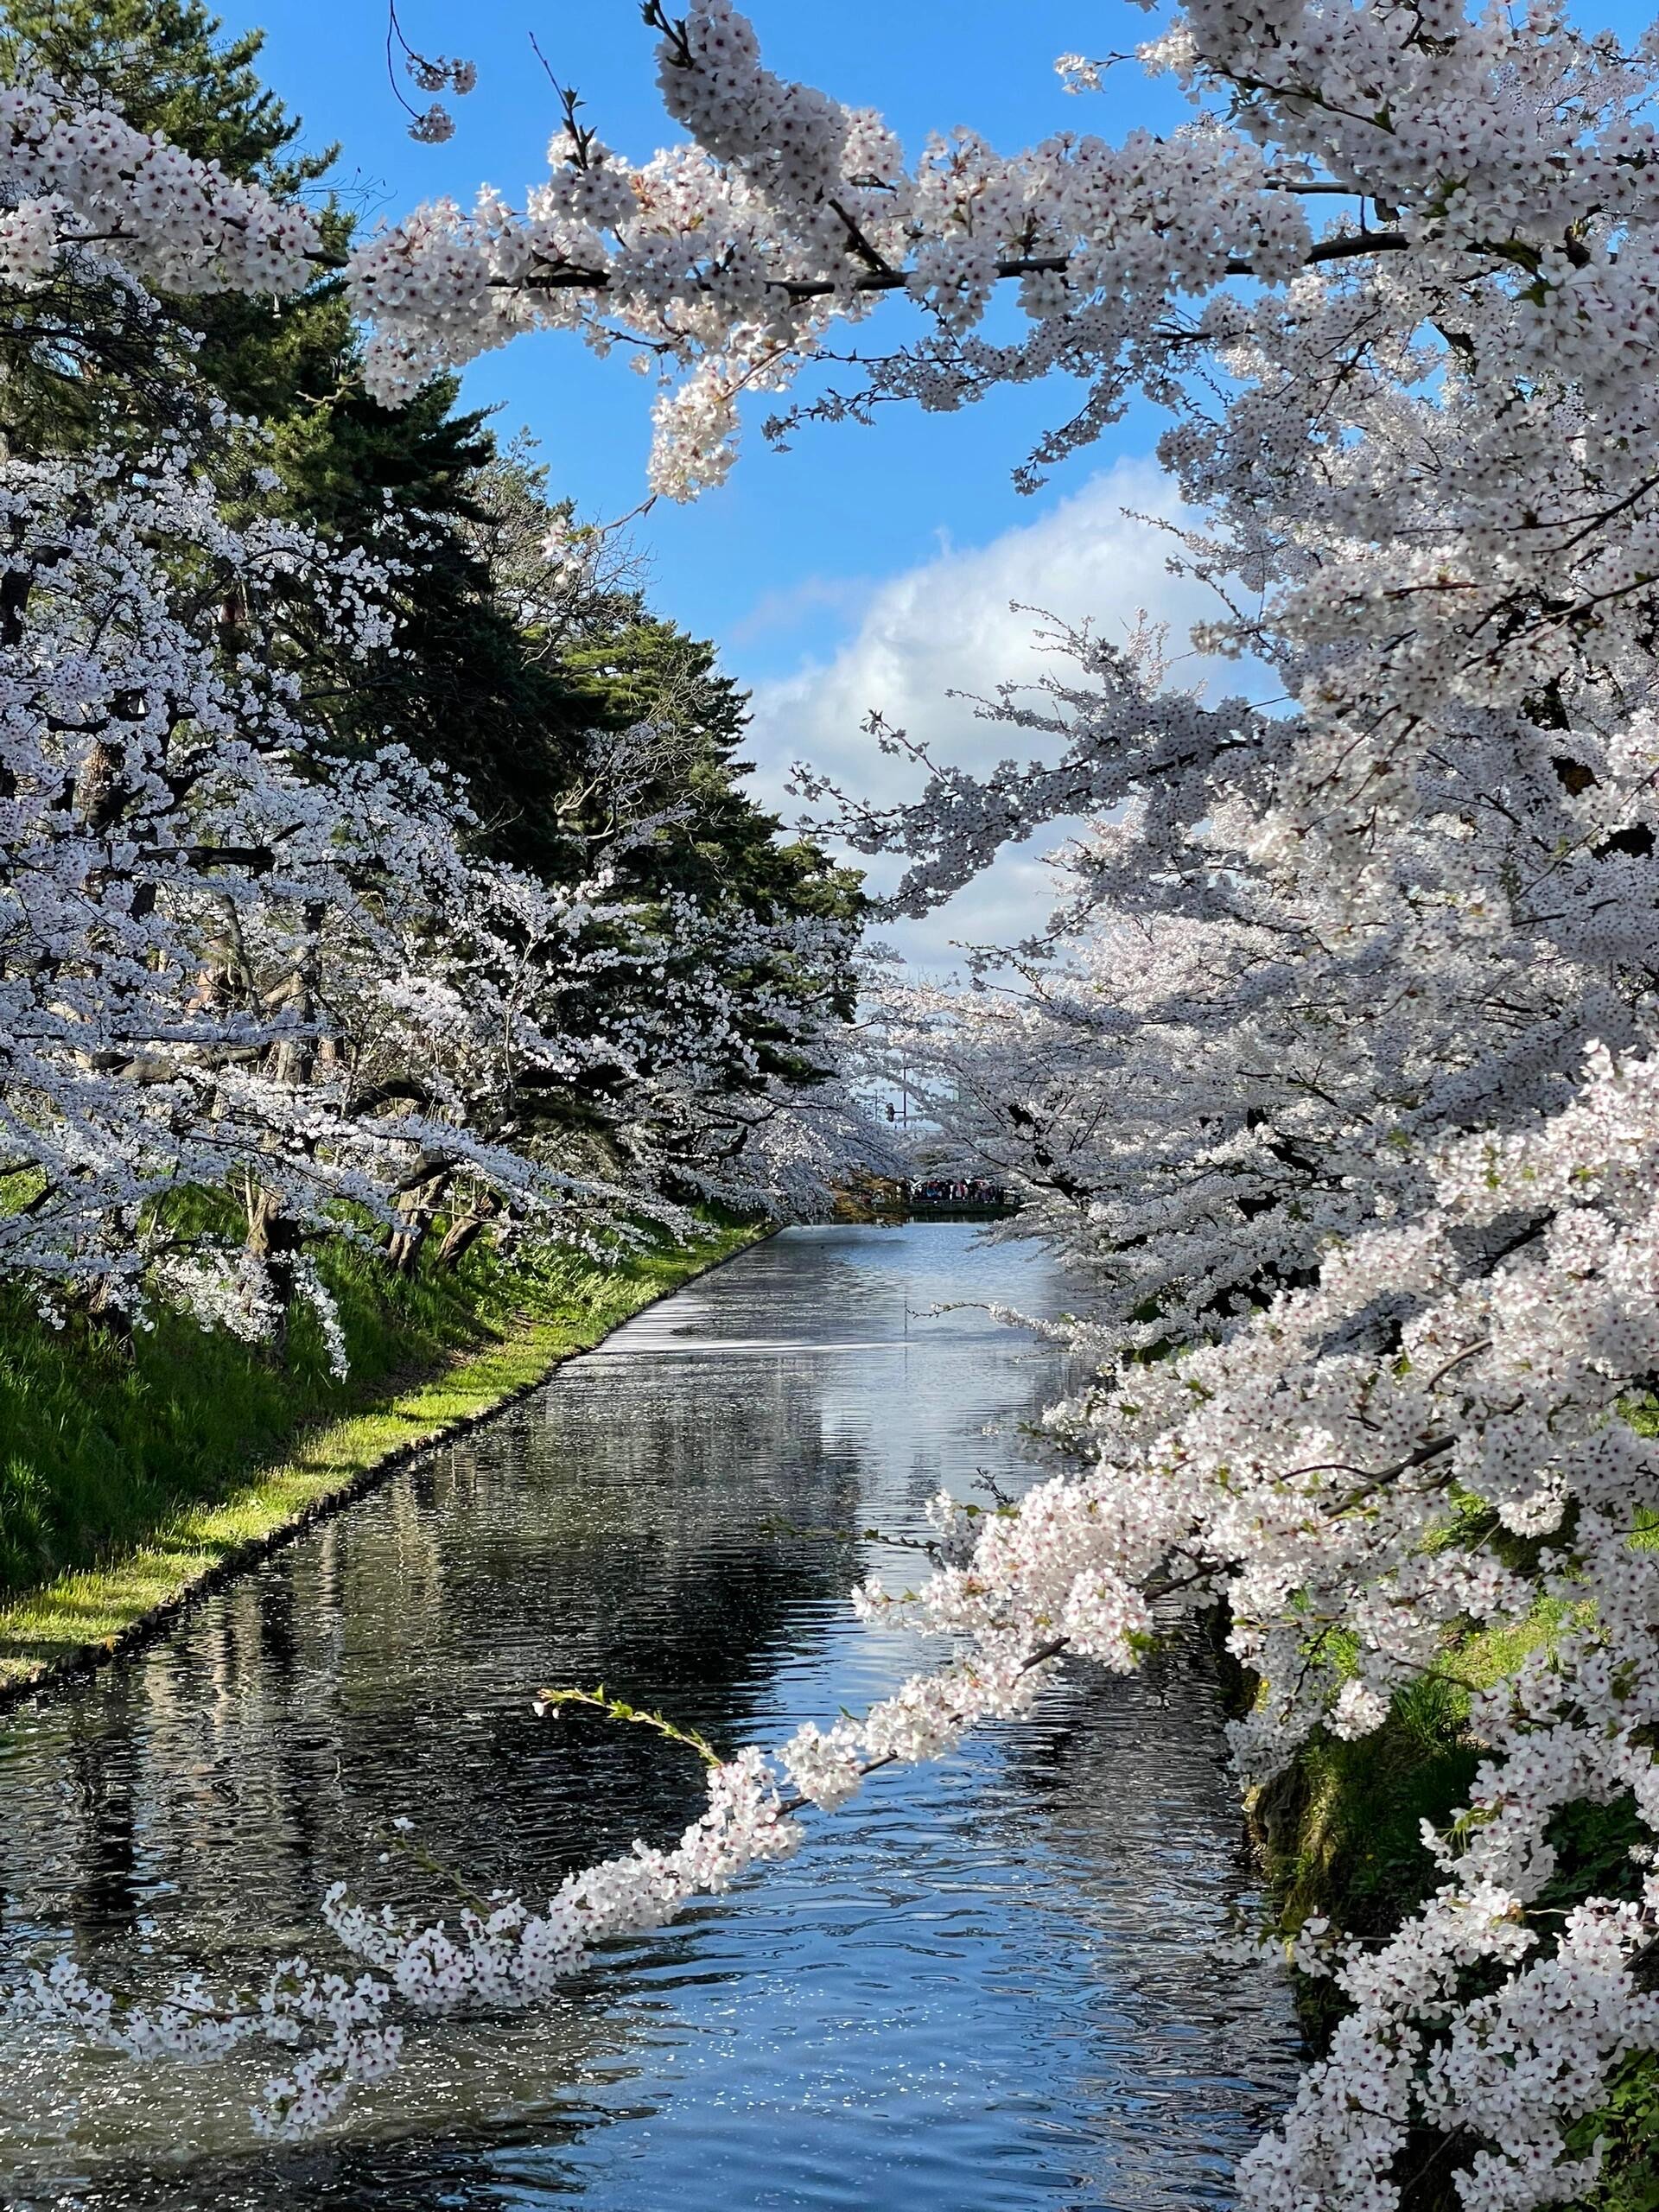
x: 981, y: 1987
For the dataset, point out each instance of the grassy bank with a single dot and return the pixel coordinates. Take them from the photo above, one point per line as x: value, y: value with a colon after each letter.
x: 1339, y: 1833
x: 133, y: 1474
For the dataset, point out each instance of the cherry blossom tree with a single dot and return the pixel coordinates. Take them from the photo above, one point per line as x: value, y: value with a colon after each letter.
x: 227, y: 938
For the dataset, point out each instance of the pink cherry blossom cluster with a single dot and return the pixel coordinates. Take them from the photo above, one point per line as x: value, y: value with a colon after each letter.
x: 80, y: 176
x: 499, y: 1954
x: 1509, y: 163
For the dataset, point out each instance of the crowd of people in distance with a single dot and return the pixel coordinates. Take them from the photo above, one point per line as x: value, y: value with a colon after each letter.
x: 960, y: 1190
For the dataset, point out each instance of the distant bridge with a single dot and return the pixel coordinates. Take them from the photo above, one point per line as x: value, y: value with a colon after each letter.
x: 934, y: 1198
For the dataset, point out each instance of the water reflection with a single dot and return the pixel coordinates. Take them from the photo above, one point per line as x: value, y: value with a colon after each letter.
x: 980, y: 1988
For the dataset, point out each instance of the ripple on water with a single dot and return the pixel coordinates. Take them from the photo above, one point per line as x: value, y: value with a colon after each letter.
x: 980, y: 1989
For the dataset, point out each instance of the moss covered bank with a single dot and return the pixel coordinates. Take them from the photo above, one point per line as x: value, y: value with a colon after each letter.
x: 1339, y: 1833
x: 134, y: 1474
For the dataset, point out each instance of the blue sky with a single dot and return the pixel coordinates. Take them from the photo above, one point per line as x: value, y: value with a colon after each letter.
x: 865, y: 568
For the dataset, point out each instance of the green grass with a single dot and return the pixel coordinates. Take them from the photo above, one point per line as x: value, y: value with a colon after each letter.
x: 1343, y: 1825
x: 130, y: 1473
x: 1340, y: 1836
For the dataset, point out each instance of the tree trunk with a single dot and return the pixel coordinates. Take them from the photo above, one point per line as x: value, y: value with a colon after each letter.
x: 295, y: 1057
x: 415, y: 1211
x: 466, y: 1229
x: 112, y: 1319
x: 274, y: 1238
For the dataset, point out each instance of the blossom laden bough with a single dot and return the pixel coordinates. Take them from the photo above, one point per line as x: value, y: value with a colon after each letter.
x: 78, y: 179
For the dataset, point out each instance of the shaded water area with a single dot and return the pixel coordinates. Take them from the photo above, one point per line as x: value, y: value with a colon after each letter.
x: 980, y: 1988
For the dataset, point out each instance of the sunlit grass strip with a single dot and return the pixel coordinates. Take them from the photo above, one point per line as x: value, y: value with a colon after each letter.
x: 78, y: 1619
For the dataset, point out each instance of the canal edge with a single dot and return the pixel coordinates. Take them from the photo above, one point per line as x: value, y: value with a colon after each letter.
x: 78, y: 1661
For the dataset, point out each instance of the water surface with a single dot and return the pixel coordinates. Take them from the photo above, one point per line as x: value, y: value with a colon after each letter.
x: 981, y: 1987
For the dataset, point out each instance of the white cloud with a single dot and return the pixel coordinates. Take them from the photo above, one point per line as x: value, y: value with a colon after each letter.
x: 951, y: 625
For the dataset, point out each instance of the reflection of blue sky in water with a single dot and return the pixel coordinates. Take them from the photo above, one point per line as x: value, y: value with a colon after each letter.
x: 979, y: 1987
